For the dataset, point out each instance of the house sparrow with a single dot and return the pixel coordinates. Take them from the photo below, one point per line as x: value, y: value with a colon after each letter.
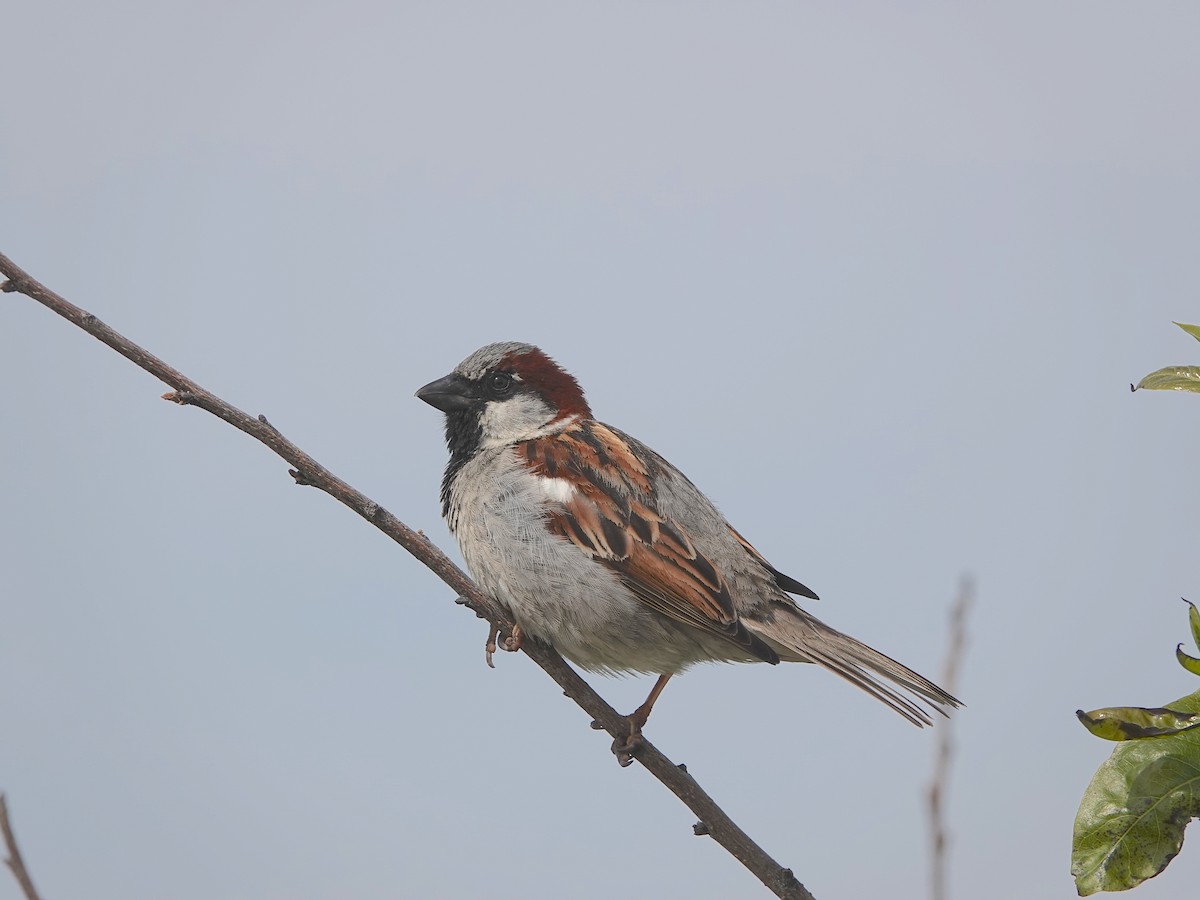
x: 600, y: 547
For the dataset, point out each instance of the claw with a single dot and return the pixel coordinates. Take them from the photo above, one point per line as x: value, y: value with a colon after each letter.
x: 490, y: 647
x: 625, y: 748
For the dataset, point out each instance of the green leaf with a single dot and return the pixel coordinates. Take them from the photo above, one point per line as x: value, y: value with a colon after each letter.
x: 1188, y: 662
x: 1131, y: 819
x: 1172, y: 378
x: 1193, y: 620
x: 1128, y: 723
x: 1193, y: 330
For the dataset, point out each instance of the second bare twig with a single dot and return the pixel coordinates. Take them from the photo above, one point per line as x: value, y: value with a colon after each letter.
x: 945, y: 741
x: 14, y: 860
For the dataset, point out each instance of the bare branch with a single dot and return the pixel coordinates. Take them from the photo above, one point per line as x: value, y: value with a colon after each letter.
x: 14, y: 860
x: 307, y: 471
x: 945, y: 741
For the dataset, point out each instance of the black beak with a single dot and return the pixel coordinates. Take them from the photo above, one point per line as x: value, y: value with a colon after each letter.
x: 448, y: 394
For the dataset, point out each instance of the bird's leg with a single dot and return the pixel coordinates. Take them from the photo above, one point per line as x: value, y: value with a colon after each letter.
x: 516, y: 640
x: 625, y: 747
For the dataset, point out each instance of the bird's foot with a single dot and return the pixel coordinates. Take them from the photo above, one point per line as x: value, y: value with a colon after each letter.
x: 625, y: 748
x: 516, y: 640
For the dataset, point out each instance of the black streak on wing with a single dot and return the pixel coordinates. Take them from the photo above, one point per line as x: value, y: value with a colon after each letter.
x: 616, y: 537
x: 589, y: 438
x: 577, y: 534
x: 641, y: 528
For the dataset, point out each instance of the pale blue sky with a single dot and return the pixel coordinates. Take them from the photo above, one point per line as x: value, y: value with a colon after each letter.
x: 876, y: 278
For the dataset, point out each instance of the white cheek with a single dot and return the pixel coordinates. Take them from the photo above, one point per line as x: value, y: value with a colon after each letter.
x: 517, y: 419
x: 558, y: 490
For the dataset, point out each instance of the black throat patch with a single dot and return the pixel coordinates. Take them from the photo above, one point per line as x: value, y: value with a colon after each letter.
x: 463, y: 436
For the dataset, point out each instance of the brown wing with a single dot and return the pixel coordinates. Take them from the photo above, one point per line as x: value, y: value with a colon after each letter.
x: 786, y: 582
x: 612, y: 518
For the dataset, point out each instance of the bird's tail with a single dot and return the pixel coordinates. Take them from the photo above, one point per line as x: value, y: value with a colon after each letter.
x: 798, y: 637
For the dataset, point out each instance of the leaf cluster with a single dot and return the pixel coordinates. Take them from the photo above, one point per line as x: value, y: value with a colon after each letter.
x: 1131, y: 820
x: 1133, y: 814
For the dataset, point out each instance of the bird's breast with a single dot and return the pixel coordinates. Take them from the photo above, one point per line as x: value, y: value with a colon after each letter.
x: 554, y: 590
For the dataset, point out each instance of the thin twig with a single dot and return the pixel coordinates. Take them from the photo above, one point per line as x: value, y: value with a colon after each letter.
x: 945, y: 740
x: 14, y: 860
x: 308, y: 471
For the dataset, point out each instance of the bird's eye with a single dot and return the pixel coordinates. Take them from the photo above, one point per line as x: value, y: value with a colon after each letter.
x: 499, y: 384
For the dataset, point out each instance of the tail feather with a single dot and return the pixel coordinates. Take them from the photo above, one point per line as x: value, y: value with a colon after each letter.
x: 798, y: 637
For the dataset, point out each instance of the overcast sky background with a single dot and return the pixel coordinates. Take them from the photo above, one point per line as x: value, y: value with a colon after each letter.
x: 876, y: 278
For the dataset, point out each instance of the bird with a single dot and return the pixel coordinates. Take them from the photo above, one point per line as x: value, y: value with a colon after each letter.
x: 600, y: 547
